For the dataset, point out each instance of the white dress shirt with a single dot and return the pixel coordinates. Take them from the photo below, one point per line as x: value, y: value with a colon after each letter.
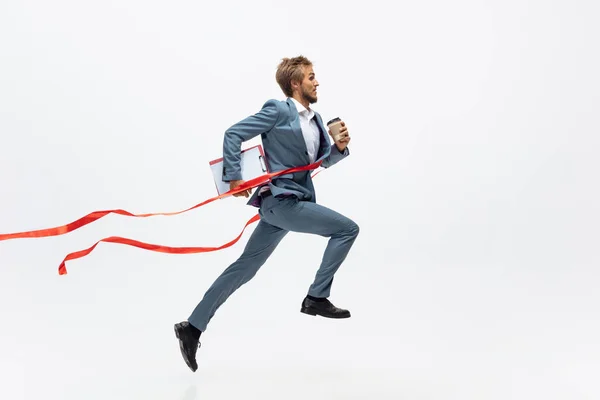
x: 310, y: 130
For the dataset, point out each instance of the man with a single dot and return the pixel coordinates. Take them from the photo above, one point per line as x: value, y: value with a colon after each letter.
x: 293, y: 135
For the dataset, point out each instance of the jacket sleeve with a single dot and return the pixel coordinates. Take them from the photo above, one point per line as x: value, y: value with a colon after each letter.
x: 246, y: 129
x: 335, y: 156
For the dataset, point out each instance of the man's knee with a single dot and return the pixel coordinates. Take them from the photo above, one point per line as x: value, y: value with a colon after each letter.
x: 353, y: 229
x: 356, y: 229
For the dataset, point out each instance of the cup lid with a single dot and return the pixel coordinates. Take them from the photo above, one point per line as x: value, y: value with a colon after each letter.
x: 336, y: 119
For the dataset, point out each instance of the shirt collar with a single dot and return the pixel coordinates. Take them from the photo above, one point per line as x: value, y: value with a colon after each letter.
x: 302, y: 110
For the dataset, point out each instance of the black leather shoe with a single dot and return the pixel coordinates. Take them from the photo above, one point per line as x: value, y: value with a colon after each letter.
x: 323, y: 308
x: 188, y: 344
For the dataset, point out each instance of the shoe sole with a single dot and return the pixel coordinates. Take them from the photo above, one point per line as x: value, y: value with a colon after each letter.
x: 310, y: 311
x: 187, y: 361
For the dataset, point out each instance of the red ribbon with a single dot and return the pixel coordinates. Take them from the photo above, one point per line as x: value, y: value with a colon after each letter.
x: 96, y: 215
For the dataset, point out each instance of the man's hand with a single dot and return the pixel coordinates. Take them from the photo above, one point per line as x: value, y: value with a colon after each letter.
x: 234, y: 184
x: 342, y: 143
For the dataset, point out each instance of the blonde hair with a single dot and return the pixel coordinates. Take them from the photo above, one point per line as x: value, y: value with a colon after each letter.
x: 290, y: 69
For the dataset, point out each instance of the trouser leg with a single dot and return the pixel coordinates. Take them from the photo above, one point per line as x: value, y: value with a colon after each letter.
x: 260, y: 246
x: 293, y: 215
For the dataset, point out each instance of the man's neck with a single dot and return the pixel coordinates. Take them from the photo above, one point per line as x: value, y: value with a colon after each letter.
x: 302, y: 101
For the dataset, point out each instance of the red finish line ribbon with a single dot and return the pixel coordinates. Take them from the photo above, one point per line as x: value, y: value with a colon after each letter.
x: 96, y: 215
x: 62, y: 269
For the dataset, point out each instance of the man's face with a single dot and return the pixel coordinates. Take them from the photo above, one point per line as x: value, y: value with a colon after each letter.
x: 308, y: 88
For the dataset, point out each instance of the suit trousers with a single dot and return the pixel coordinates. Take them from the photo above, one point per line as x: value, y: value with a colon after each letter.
x: 278, y: 217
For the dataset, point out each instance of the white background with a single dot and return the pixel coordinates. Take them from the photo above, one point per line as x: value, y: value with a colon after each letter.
x: 473, y: 176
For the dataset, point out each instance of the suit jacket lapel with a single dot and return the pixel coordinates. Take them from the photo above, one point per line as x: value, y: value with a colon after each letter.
x: 324, y: 145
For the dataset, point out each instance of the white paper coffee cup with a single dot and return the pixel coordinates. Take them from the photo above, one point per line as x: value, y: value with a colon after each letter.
x: 335, y: 125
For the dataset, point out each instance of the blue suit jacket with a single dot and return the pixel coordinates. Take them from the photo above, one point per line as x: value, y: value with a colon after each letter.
x: 278, y: 124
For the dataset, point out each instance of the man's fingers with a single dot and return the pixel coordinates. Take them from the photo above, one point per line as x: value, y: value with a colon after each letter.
x: 245, y: 193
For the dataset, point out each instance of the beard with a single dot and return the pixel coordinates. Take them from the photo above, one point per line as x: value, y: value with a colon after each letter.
x: 309, y: 97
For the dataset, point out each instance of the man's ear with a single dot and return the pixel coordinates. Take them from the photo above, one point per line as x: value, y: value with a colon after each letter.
x: 295, y: 84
